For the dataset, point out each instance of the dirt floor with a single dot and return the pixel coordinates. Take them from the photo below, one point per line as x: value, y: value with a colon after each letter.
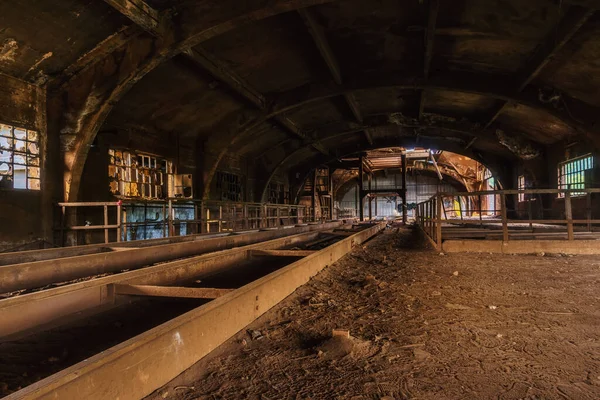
x: 422, y: 326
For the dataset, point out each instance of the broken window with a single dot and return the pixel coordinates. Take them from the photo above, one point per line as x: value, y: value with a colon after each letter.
x: 19, y: 158
x: 183, y: 187
x: 138, y: 175
x: 575, y: 174
x: 230, y: 186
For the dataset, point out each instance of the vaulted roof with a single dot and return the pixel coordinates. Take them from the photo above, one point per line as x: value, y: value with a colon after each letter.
x: 293, y: 82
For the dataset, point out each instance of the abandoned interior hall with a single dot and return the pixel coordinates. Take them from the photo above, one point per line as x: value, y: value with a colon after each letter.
x: 300, y: 199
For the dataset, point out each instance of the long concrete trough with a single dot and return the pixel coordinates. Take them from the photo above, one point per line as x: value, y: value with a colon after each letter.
x: 41, y: 273
x: 44, y: 309
x: 138, y: 366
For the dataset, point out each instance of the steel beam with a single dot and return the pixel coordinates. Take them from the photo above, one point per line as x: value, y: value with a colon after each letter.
x: 139, y: 12
x: 318, y: 35
x: 573, y: 20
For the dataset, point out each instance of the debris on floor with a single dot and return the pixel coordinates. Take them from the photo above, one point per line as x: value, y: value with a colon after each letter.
x: 411, y: 330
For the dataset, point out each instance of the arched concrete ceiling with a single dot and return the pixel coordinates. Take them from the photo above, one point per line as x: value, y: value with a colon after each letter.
x: 281, y: 81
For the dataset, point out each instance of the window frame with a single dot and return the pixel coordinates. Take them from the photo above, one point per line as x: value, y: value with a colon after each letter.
x: 31, y: 136
x: 142, y: 170
x: 572, y: 168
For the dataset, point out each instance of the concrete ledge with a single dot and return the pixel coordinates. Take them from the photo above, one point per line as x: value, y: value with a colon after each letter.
x: 136, y: 367
x: 581, y: 247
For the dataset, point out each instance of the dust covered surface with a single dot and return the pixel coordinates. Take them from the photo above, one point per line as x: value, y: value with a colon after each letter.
x: 422, y: 326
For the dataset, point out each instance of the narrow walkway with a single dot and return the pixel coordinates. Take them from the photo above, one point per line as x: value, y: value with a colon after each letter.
x: 422, y: 326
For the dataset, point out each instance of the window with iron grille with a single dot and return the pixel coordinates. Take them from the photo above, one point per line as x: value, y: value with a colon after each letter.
x: 230, y: 186
x: 575, y: 174
x: 137, y: 175
x: 19, y: 158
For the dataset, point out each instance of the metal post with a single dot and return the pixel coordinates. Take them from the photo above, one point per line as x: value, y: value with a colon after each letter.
x: 438, y: 234
x: 118, y: 221
x: 404, y: 205
x: 125, y: 225
x: 207, y: 220
x: 589, y: 211
x: 529, y: 214
x: 164, y: 222
x: 569, y: 215
x: 62, y: 226
x: 105, y: 224
x: 220, y: 217
x: 170, y: 220
x: 480, y: 211
x: 504, y: 217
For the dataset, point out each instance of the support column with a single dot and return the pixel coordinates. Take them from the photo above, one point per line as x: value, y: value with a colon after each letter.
x: 312, y: 197
x: 370, y: 199
x: 404, y: 206
x: 361, y: 195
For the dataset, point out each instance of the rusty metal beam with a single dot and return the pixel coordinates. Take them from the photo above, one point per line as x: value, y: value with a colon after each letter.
x: 574, y: 18
x: 137, y: 367
x: 316, y: 31
x: 139, y: 12
x: 429, y: 42
x: 170, y: 291
x: 220, y: 71
x: 569, y: 25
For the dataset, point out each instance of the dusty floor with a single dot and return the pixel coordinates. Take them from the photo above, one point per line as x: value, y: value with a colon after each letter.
x: 423, y: 326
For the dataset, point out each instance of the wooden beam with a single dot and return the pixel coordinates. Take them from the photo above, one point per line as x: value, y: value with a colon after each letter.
x: 139, y: 13
x: 282, y: 253
x: 170, y: 291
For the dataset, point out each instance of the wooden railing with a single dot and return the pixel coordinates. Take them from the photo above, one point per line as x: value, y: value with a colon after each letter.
x: 433, y: 213
x: 137, y: 219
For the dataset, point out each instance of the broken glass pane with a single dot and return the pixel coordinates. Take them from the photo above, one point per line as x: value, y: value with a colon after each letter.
x: 19, y: 158
x: 5, y: 156
x: 20, y: 134
x: 5, y: 169
x: 33, y: 184
x: 33, y: 160
x: 6, y: 143
x: 33, y: 172
x: 33, y: 148
x: 5, y: 130
x: 20, y: 145
x: 32, y: 136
